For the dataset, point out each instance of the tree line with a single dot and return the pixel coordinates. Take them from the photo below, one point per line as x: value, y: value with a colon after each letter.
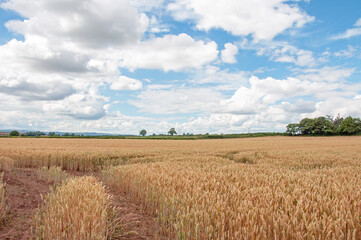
x: 325, y: 126
x: 171, y: 132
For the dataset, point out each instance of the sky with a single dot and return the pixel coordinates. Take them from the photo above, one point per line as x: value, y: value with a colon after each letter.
x: 200, y: 66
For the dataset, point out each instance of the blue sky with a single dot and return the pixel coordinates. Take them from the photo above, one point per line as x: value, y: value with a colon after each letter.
x: 201, y: 66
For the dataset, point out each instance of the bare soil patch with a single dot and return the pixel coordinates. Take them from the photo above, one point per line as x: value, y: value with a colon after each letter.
x: 136, y: 224
x: 25, y: 191
x: 24, y: 198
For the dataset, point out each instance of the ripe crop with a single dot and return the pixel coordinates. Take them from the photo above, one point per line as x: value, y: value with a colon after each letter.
x: 52, y: 174
x: 256, y: 188
x: 77, y: 209
x: 4, y: 207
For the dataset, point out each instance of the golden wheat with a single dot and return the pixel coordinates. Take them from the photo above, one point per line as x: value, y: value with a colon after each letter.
x: 284, y: 194
x: 4, y: 207
x: 257, y: 188
x: 52, y: 174
x: 77, y: 209
x: 6, y: 163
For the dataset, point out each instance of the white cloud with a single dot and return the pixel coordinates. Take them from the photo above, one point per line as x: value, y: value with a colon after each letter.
x: 348, y: 34
x: 358, y: 23
x: 301, y: 106
x: 270, y: 104
x: 224, y: 79
x: 170, y: 52
x: 338, y: 105
x: 160, y: 86
x: 177, y: 100
x: 228, y: 54
x: 147, y: 5
x: 156, y: 27
x: 281, y: 52
x: 67, y: 46
x: 88, y: 23
x: 352, y: 32
x: 265, y: 93
x: 126, y: 83
x: 263, y: 19
x: 349, y: 52
x: 73, y: 48
x: 326, y: 74
x: 29, y: 91
x: 88, y: 104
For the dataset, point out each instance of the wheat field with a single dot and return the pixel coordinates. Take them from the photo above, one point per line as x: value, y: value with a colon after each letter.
x: 255, y: 188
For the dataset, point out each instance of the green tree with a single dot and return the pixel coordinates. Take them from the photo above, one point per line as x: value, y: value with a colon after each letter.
x: 143, y: 132
x: 34, y: 134
x: 51, y: 134
x: 337, y: 123
x: 172, y: 132
x: 293, y: 129
x: 322, y: 126
x: 14, y: 133
x: 306, y: 126
x: 350, y: 126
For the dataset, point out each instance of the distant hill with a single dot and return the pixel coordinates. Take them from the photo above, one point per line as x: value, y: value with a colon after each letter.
x: 62, y: 133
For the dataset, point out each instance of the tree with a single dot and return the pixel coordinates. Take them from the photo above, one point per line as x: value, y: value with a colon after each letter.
x: 172, y: 132
x: 293, y: 129
x: 306, y: 126
x: 51, y: 134
x: 143, y: 132
x: 14, y: 133
x: 322, y: 126
x: 337, y: 123
x: 350, y: 126
x: 34, y: 134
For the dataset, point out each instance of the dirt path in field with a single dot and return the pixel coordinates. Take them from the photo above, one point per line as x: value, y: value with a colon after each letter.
x: 136, y: 224
x: 25, y: 190
x: 24, y: 198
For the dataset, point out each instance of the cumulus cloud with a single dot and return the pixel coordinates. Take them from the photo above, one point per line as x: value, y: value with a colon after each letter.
x: 67, y: 46
x: 171, y: 52
x: 91, y: 23
x: 126, y: 83
x: 263, y: 94
x: 71, y: 49
x: 83, y: 105
x: 177, y: 100
x: 270, y: 104
x: 301, y: 106
x: 262, y: 19
x: 33, y: 92
x: 228, y: 54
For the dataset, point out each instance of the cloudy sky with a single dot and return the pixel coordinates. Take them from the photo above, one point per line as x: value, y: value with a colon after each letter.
x: 200, y: 66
